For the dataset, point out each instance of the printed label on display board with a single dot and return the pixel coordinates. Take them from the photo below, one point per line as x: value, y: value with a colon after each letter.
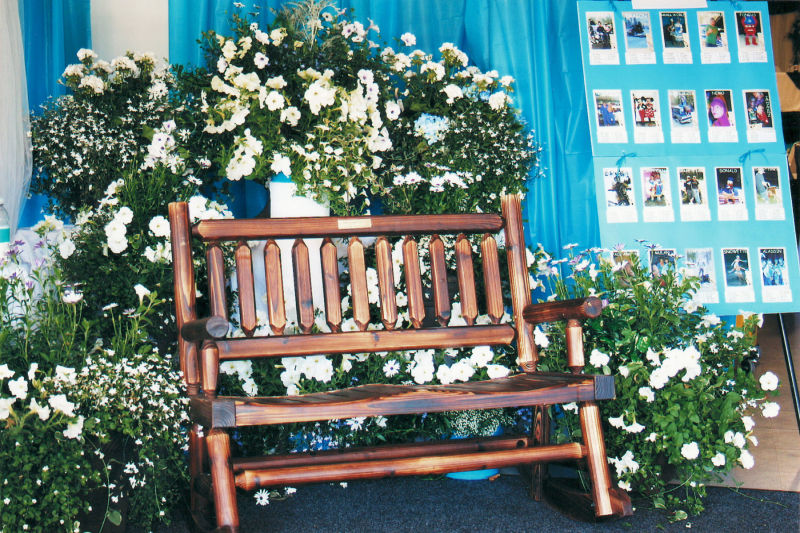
x: 657, y: 195
x: 602, y: 38
x: 639, y: 49
x: 646, y: 117
x: 620, y: 204
x: 730, y: 194
x: 694, y: 194
x: 750, y: 36
x: 675, y: 37
x: 774, y: 275
x: 721, y: 118
x: 609, y: 117
x: 684, y: 127
x: 758, y: 112
x: 738, y: 275
x: 767, y: 189
x: 713, y: 37
x: 700, y: 264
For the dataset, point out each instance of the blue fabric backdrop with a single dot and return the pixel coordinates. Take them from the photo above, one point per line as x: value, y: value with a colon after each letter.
x: 52, y: 33
x: 536, y: 42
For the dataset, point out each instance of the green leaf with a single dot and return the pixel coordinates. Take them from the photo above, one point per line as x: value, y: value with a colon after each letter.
x: 114, y: 516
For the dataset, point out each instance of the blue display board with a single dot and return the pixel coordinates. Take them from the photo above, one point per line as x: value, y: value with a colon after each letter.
x: 689, y: 160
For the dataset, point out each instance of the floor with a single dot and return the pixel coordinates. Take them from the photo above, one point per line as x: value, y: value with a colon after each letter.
x: 777, y: 456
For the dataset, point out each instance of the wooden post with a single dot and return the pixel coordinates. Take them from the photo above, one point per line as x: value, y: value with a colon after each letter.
x: 596, y: 458
x: 219, y: 452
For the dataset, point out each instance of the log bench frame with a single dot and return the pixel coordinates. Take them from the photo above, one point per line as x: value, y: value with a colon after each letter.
x: 216, y: 475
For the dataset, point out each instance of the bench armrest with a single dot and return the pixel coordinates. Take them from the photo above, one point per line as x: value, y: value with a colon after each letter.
x: 202, y: 329
x: 579, y: 308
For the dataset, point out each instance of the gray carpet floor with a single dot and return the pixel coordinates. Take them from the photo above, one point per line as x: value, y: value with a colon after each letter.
x: 445, y: 505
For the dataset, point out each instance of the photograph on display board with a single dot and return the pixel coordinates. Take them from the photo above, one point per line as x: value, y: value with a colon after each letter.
x: 738, y: 276
x: 623, y: 260
x: 694, y: 195
x: 730, y: 194
x: 684, y: 126
x: 639, y: 47
x: 700, y: 264
x: 674, y: 37
x: 713, y: 37
x: 750, y: 36
x: 774, y: 275
x: 620, y: 204
x: 609, y: 116
x: 721, y: 118
x: 657, y: 195
x: 646, y: 117
x: 661, y: 261
x: 769, y: 200
x: 758, y: 111
x: 602, y: 38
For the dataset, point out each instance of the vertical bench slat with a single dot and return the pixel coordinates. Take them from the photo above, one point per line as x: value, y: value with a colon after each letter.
x: 358, y: 283
x: 466, y: 279
x: 216, y: 281
x: 491, y: 278
x: 274, y: 278
x: 302, y: 286
x: 244, y: 277
x: 330, y: 284
x: 441, y: 296
x: 416, y: 305
x: 518, y: 278
x: 383, y: 253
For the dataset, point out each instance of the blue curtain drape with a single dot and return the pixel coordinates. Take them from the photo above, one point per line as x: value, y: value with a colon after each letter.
x: 534, y: 41
x: 52, y: 33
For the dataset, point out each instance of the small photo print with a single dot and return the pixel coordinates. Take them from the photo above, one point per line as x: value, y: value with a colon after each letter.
x: 700, y: 264
x: 721, y: 118
x: 639, y: 47
x: 674, y: 37
x: 620, y: 205
x: 624, y: 260
x: 730, y: 194
x: 646, y: 117
x: 609, y: 116
x: 713, y: 37
x: 750, y: 35
x: 661, y: 261
x: 758, y: 110
x: 694, y: 195
x: 683, y: 116
x: 738, y: 275
x: 657, y: 195
x: 769, y: 200
x: 774, y: 275
x: 602, y: 38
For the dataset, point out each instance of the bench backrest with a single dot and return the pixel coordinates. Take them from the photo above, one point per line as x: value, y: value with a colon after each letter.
x: 411, y: 228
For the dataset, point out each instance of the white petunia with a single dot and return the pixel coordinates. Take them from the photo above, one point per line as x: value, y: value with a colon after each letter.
x: 719, y: 459
x: 746, y: 458
x: 768, y: 381
x: 43, y: 412
x: 5, y: 372
x: 290, y: 115
x: 59, y: 402
x: 498, y: 100
x: 540, y: 338
x: 18, y: 387
x: 260, y: 60
x: 281, y: 164
x: 409, y: 39
x: 159, y: 226
x: 690, y: 450
x: 66, y: 248
x: 74, y: 430
x: 598, y: 358
x: 453, y: 93
x: 647, y: 393
x: 634, y: 428
x: 497, y: 371
x: 748, y: 422
x: 616, y: 422
x: 141, y: 291
x: 770, y: 409
x: 5, y: 407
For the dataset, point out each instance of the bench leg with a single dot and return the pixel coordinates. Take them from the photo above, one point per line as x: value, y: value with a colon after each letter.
x: 219, y: 452
x: 608, y: 500
x: 540, y: 432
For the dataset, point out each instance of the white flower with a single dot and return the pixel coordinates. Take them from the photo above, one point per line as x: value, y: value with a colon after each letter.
x: 690, y: 450
x: 65, y: 374
x: 290, y: 115
x: 392, y: 110
x: 652, y: 437
x: 5, y: 407
x: 159, y: 226
x: 32, y: 370
x: 276, y: 83
x: 74, y: 430
x: 625, y: 485
x: 262, y: 497
x: 5, y: 372
x: 768, y: 381
x: 598, y: 358
x: 718, y: 460
x: 636, y: 427
x: 71, y: 296
x: 770, y: 409
x: 746, y: 458
x: 274, y: 101
x: 94, y: 83
x: 19, y: 387
x: 66, y: 248
x: 572, y: 406
x: 453, y: 92
x: 616, y: 422
x: 748, y: 422
x: 43, y: 412
x: 59, y: 402
x: 481, y: 356
x: 141, y: 291
x: 281, y: 164
x: 260, y: 60
x: 647, y: 393
x: 540, y: 338
x: 498, y: 100
x: 391, y: 368
x: 624, y: 371
x: 497, y: 371
x: 409, y: 39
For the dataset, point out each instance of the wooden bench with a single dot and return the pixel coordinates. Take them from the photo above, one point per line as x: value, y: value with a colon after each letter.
x: 203, y: 345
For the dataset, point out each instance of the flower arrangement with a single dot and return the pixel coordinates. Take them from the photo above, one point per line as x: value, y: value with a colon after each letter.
x: 685, y: 407
x: 315, y: 97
